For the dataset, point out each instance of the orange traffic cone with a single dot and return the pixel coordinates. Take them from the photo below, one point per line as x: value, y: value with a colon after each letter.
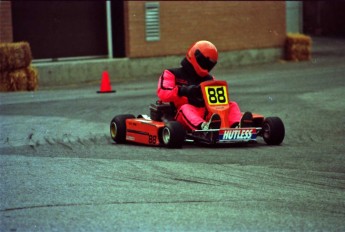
x: 105, y: 84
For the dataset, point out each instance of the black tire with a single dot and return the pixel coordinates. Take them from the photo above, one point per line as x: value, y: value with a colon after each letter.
x: 173, y: 134
x: 273, y: 130
x: 118, y: 127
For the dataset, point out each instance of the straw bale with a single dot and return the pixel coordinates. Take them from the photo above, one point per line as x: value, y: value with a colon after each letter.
x: 5, y: 84
x: 298, y: 47
x: 25, y: 79
x: 32, y: 79
x: 14, y: 56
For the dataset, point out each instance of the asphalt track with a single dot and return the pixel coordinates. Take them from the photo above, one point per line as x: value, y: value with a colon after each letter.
x: 60, y: 171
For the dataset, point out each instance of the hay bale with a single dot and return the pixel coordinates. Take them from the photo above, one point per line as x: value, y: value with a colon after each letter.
x: 5, y: 84
x: 32, y: 79
x: 14, y: 56
x: 25, y: 79
x: 14, y: 80
x: 298, y: 47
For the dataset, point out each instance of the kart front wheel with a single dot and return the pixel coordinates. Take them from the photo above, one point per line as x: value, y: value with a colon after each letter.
x: 273, y: 130
x: 118, y: 127
x: 173, y: 134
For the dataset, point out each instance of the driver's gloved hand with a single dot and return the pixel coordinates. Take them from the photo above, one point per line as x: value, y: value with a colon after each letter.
x: 196, y: 101
x: 189, y: 91
x: 193, y: 93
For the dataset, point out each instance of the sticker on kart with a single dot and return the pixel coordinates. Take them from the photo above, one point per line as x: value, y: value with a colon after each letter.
x: 237, y: 135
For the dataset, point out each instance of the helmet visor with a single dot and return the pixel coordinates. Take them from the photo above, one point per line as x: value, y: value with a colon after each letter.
x: 204, y: 62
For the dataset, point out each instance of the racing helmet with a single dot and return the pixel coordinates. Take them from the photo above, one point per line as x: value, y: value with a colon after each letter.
x: 203, y: 56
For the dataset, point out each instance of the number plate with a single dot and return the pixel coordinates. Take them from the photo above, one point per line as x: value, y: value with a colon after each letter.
x: 216, y: 95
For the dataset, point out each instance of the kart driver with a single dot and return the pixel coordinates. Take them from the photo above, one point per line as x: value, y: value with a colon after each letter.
x: 180, y: 86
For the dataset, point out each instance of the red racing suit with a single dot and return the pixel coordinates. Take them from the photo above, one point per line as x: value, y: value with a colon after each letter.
x: 189, y: 115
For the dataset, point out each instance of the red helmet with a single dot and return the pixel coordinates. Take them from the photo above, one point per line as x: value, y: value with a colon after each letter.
x: 203, y: 55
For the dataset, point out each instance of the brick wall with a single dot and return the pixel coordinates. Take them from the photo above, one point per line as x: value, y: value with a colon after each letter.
x: 229, y: 25
x: 6, y: 34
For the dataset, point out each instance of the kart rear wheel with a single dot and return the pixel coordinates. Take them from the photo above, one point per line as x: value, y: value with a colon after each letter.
x: 273, y: 130
x: 118, y: 127
x: 173, y: 134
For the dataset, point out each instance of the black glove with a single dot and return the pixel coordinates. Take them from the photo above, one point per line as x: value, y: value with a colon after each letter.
x: 196, y: 101
x: 189, y: 91
x: 193, y: 93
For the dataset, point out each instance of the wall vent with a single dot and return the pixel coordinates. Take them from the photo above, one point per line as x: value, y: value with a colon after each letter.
x: 152, y: 21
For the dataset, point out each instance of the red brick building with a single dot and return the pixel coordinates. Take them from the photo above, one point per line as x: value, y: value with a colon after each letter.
x: 229, y: 25
x: 6, y: 34
x: 77, y: 28
x: 87, y: 37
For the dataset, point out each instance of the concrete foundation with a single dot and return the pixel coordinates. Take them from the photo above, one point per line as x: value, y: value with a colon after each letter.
x: 61, y: 73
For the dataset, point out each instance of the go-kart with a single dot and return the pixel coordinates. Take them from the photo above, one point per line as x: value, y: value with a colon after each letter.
x: 160, y: 128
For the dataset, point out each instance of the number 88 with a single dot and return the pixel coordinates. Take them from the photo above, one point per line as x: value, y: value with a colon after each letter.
x: 216, y: 95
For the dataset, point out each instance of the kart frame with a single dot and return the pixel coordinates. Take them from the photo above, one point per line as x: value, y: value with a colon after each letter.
x: 160, y: 128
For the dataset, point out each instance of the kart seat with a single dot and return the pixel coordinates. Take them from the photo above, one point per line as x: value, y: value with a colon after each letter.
x: 162, y: 111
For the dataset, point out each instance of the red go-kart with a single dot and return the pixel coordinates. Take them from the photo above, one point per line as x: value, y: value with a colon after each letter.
x: 160, y: 128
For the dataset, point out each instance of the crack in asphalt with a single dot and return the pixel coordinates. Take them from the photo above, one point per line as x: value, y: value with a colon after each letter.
x: 110, y: 203
x: 334, y: 212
